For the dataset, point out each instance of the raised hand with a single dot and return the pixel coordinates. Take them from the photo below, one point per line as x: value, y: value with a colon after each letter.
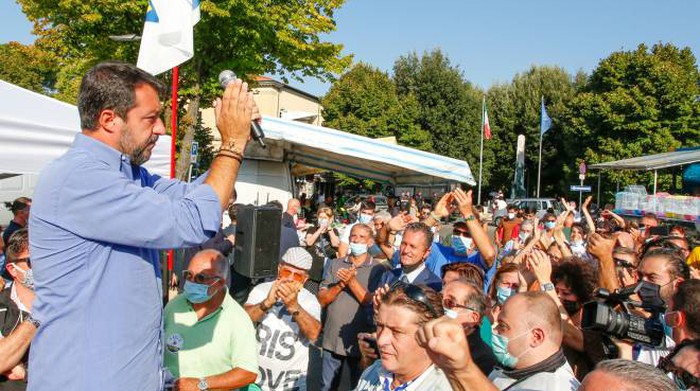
x: 446, y: 344
x: 464, y: 201
x: 442, y: 207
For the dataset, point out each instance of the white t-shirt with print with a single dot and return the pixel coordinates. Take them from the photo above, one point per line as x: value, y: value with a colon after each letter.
x: 283, y: 352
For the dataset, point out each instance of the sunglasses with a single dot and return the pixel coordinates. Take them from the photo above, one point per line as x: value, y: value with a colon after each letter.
x: 199, y: 278
x: 286, y: 273
x: 417, y: 294
x: 19, y: 260
x: 459, y: 232
x: 450, y: 304
x: 683, y: 379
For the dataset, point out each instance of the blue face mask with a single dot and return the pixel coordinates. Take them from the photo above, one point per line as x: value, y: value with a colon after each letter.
x: 549, y: 225
x: 357, y: 249
x: 28, y: 279
x: 461, y: 244
x: 365, y: 219
x: 668, y: 330
x: 499, y: 343
x: 196, y: 293
x: 503, y: 293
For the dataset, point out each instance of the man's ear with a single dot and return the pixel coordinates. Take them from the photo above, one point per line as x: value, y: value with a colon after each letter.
x: 109, y: 120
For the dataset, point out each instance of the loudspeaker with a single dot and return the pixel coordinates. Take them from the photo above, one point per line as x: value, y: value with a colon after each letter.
x: 257, y: 241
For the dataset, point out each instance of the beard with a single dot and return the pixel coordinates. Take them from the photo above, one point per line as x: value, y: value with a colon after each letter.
x: 138, y: 153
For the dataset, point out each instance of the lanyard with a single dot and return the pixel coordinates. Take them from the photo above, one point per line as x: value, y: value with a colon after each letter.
x: 387, y: 385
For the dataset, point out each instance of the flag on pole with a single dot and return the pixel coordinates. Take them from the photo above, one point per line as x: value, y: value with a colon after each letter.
x: 545, y: 121
x: 487, y: 127
x: 168, y: 35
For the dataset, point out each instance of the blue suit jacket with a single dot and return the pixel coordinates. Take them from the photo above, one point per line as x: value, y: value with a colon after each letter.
x: 426, y: 277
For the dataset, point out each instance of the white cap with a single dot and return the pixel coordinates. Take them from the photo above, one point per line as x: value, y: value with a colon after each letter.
x: 298, y: 257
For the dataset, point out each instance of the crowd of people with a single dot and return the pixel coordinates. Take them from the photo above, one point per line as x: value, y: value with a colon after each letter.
x: 565, y: 302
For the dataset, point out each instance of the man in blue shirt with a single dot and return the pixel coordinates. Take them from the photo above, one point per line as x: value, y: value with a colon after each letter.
x: 98, y: 221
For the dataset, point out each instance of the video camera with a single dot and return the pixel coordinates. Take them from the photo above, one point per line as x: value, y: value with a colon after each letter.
x: 612, y: 314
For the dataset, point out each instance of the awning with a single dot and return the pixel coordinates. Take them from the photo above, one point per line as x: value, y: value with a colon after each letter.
x: 36, y: 129
x: 330, y: 149
x: 652, y: 162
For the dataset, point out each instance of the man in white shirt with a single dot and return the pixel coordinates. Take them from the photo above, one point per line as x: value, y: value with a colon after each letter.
x: 403, y: 364
x: 287, y: 318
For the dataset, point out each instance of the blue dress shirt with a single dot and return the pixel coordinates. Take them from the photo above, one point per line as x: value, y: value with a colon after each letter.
x: 97, y: 224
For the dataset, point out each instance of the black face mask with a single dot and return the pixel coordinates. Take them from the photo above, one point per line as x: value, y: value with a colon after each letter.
x: 571, y: 307
x: 650, y: 295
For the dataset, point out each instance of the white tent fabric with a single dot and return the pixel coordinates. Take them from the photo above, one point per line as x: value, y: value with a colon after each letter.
x: 652, y: 162
x: 36, y: 129
x: 331, y: 149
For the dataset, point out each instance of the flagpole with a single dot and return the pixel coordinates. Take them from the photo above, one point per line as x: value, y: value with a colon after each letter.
x: 173, y: 136
x: 539, y: 163
x: 481, y: 150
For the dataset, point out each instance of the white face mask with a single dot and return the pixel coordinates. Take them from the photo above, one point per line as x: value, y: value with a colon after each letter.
x: 511, y: 216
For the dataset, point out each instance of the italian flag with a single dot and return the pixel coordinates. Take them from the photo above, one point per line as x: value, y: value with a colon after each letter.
x: 487, y: 127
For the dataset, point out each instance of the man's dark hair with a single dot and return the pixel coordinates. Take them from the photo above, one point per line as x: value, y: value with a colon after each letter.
x: 467, y: 271
x: 274, y: 204
x: 111, y: 85
x: 687, y: 299
x: 422, y: 228
x: 20, y: 203
x: 652, y: 216
x: 18, y: 243
x: 674, y: 260
x: 578, y: 275
x: 367, y: 205
x: 511, y: 207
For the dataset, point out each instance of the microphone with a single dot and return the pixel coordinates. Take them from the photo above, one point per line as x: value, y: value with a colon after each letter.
x: 227, y: 76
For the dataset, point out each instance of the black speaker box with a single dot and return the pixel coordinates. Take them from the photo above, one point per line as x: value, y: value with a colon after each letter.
x: 257, y: 241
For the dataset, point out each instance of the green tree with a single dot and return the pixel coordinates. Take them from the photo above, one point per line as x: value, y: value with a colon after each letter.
x: 450, y: 107
x: 27, y: 66
x: 636, y: 103
x: 364, y: 101
x: 249, y: 37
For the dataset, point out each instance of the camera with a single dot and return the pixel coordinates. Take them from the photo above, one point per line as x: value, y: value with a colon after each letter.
x: 612, y: 314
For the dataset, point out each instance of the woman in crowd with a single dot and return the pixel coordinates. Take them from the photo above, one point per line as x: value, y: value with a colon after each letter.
x: 322, y: 243
x: 506, y: 282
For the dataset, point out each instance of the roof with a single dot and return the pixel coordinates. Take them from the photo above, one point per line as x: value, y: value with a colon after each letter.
x: 264, y: 81
x: 330, y: 149
x: 652, y: 162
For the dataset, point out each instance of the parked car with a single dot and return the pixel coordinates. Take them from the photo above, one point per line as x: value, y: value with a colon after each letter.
x: 540, y: 205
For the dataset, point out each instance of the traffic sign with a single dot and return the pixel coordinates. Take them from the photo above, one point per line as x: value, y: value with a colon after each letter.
x: 580, y: 188
x: 194, y: 150
x: 582, y: 177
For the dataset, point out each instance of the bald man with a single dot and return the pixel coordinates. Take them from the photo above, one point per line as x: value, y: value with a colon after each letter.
x: 527, y: 344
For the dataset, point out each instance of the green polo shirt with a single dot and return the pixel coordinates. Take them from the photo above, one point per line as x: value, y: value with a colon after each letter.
x: 217, y: 343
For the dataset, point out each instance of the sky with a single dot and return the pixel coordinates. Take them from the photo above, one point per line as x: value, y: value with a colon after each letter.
x: 489, y: 40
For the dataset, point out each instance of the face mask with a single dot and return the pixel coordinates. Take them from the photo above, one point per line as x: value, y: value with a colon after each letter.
x: 365, y: 219
x: 549, y: 225
x: 450, y: 313
x: 650, y: 295
x: 577, y: 243
x: 668, y: 330
x: 511, y: 216
x: 398, y: 239
x: 196, y: 293
x: 499, y: 344
x: 523, y: 236
x: 27, y: 279
x: 358, y: 248
x: 571, y: 306
x: 503, y: 293
x: 461, y: 244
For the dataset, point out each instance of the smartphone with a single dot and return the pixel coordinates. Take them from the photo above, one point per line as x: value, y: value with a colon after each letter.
x: 373, y: 344
x: 661, y: 230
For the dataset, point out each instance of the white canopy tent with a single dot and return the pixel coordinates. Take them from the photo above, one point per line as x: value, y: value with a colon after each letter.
x: 36, y: 129
x: 317, y: 147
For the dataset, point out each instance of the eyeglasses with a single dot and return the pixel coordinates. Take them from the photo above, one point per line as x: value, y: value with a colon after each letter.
x: 199, y: 278
x: 286, y: 273
x: 19, y: 260
x: 417, y: 294
x: 624, y: 263
x: 683, y: 379
x: 450, y: 304
x: 459, y: 232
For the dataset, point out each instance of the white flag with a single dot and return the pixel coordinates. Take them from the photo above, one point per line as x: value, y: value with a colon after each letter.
x: 168, y: 35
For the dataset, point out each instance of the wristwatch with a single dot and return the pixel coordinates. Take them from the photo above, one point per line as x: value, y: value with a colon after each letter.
x: 547, y: 287
x: 203, y: 385
x: 33, y: 321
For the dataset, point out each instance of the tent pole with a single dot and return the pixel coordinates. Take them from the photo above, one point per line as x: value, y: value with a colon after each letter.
x: 656, y: 177
x: 600, y: 174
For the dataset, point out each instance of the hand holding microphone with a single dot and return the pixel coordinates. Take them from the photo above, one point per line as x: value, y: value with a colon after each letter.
x: 256, y: 132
